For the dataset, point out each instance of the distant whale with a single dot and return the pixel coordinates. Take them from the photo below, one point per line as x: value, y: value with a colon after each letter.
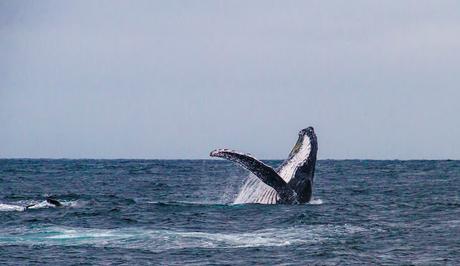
x: 54, y: 202
x: 290, y: 183
x: 49, y: 200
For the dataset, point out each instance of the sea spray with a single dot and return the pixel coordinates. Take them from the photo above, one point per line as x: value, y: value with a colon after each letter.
x: 253, y: 191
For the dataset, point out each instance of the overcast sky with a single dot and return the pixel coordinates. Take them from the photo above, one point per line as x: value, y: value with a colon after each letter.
x: 176, y: 79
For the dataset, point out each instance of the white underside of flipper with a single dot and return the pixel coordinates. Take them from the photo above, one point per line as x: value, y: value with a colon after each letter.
x: 256, y: 191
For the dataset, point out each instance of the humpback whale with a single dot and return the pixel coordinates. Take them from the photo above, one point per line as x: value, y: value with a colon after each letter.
x: 48, y: 200
x: 290, y: 183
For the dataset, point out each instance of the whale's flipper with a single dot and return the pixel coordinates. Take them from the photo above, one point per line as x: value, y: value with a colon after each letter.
x: 264, y: 172
x: 28, y: 206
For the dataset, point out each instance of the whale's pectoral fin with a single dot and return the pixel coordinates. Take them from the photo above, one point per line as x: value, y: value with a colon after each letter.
x: 264, y: 172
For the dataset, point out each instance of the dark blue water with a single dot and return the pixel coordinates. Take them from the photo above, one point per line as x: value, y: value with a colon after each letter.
x: 180, y: 212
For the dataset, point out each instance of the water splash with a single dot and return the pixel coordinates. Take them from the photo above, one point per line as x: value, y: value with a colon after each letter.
x: 33, y: 204
x: 11, y: 207
x: 314, y: 201
x: 255, y: 191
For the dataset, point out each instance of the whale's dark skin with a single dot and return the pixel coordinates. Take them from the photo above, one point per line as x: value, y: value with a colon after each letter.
x: 53, y: 202
x: 298, y: 189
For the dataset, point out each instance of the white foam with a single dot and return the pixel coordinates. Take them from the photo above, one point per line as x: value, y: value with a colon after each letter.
x: 82, y: 234
x: 314, y: 201
x: 160, y: 240
x: 9, y: 208
x: 41, y: 205
x: 73, y: 203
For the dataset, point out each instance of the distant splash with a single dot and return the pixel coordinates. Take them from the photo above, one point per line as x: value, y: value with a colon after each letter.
x: 21, y: 205
x: 160, y: 240
x: 11, y: 207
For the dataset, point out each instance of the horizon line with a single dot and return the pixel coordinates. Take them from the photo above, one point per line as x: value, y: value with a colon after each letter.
x: 212, y: 159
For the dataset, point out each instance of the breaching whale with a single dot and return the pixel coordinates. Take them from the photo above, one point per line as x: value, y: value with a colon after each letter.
x: 291, y: 182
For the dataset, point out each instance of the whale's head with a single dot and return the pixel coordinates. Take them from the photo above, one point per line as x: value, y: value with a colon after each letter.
x: 298, y: 170
x: 305, y: 143
x: 308, y: 132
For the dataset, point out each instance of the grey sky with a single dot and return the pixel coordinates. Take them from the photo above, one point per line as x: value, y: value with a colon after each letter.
x: 176, y: 79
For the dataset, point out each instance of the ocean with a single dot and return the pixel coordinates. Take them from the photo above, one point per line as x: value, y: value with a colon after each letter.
x: 181, y: 212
